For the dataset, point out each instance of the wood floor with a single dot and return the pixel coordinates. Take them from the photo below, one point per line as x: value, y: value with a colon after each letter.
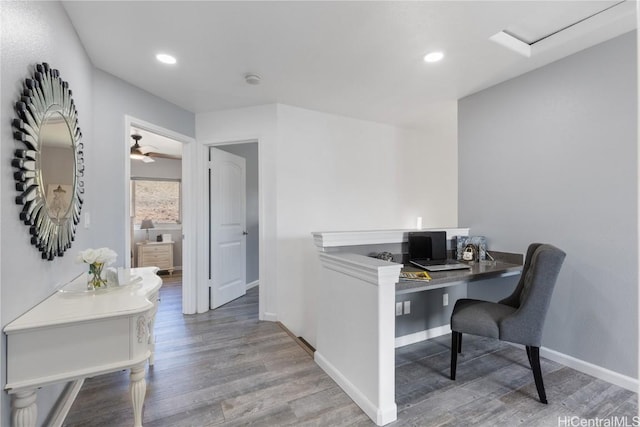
x: 226, y: 368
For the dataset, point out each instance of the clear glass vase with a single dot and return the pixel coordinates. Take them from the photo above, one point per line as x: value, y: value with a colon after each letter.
x: 96, y: 279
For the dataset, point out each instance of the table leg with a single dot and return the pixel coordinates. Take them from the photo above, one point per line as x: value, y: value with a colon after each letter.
x: 25, y: 411
x: 152, y: 335
x: 152, y: 347
x: 138, y: 389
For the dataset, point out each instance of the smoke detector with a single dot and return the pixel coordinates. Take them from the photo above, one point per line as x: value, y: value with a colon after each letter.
x: 252, y: 79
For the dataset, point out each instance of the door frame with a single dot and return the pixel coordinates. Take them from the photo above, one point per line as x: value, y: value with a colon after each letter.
x: 203, y: 245
x: 189, y: 271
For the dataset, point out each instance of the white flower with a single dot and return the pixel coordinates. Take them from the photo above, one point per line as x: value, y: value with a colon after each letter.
x: 106, y: 256
x: 88, y: 256
x: 101, y: 256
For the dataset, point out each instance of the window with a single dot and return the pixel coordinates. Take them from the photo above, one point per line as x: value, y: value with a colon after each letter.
x: 156, y: 199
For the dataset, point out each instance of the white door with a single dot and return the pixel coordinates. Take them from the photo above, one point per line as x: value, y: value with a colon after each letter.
x: 227, y: 206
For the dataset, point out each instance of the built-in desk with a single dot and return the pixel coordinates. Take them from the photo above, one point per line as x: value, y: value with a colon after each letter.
x: 355, y: 340
x: 480, y: 270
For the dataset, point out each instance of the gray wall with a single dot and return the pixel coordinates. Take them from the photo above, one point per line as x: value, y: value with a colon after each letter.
x: 249, y: 151
x: 33, y: 32
x: 114, y: 99
x: 551, y: 156
x: 427, y: 311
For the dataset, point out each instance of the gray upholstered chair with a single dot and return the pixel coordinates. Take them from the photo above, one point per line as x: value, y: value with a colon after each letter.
x: 518, y: 318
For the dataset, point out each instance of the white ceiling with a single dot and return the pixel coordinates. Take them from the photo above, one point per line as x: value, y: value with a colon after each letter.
x: 355, y: 58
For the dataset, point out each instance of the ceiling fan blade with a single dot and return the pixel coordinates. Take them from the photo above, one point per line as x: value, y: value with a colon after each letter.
x: 141, y: 149
x: 163, y: 156
x: 147, y: 159
x: 146, y: 149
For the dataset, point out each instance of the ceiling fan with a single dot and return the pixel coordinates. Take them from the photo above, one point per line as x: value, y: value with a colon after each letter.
x: 137, y: 152
x: 146, y: 153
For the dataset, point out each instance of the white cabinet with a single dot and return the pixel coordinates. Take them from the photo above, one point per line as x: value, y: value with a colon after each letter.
x: 156, y: 254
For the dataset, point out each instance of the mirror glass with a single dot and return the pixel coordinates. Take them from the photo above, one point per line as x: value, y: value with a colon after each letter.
x: 57, y: 166
x: 49, y: 167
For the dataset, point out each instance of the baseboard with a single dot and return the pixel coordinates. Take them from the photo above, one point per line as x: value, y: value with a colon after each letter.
x: 599, y: 372
x: 62, y: 407
x: 380, y: 416
x: 624, y: 381
x: 252, y: 284
x: 422, y: 335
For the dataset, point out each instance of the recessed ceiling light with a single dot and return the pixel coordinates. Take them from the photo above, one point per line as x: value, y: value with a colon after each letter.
x: 166, y: 59
x: 433, y: 57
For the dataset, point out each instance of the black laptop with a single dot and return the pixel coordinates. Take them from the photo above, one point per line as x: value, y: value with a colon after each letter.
x: 428, y: 250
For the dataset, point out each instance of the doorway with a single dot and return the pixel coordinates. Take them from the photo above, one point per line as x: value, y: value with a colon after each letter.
x: 158, y: 190
x: 249, y: 224
x: 156, y: 208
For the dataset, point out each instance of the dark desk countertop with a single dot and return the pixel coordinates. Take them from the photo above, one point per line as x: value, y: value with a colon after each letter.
x: 479, y: 271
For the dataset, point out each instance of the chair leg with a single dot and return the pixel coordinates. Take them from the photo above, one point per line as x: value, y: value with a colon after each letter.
x: 534, y: 358
x: 456, y: 339
x: 529, y: 355
x: 459, y: 342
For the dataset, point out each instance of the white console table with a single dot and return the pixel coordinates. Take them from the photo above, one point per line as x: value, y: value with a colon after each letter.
x: 74, y: 335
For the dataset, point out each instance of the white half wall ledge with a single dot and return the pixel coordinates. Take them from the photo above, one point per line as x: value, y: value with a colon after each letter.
x: 371, y: 270
x: 333, y: 239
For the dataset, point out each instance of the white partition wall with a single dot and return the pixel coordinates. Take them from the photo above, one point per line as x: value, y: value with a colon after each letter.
x: 356, y: 330
x: 355, y: 333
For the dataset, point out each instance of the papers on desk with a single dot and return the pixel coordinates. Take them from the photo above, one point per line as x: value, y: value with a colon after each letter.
x: 415, y: 276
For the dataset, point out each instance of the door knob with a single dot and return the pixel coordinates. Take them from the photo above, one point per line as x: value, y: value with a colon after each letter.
x: 244, y: 233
